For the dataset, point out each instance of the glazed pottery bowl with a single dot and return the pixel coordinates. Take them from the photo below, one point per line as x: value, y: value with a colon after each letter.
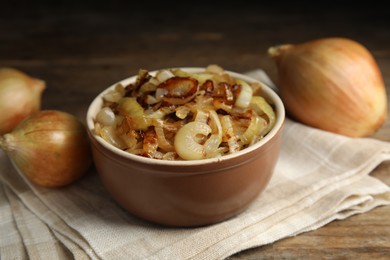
x: 187, y: 193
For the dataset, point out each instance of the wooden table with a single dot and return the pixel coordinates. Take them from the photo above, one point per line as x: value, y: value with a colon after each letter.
x: 80, y: 49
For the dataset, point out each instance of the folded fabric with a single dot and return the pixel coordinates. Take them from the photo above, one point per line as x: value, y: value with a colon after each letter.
x: 319, y: 177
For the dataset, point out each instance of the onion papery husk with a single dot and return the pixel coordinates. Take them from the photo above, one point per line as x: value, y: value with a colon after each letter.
x: 51, y: 148
x: 20, y: 96
x: 333, y: 84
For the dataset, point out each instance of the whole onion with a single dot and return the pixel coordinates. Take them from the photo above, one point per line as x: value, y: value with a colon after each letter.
x: 333, y: 84
x: 20, y: 96
x: 50, y: 148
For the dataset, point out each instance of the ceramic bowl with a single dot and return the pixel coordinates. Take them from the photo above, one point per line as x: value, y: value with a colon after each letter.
x: 187, y: 193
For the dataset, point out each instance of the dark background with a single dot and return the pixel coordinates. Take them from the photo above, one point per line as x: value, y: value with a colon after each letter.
x: 91, y: 44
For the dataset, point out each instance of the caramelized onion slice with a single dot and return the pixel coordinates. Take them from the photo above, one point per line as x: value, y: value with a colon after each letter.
x: 178, y: 90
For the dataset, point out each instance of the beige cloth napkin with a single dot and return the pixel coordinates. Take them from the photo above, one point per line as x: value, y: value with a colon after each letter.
x: 319, y: 177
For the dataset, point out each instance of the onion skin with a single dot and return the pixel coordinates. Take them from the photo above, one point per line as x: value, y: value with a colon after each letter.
x: 20, y: 96
x: 51, y: 148
x: 333, y: 84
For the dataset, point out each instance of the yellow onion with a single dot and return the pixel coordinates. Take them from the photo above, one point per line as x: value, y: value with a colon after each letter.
x: 20, y: 96
x: 333, y: 84
x: 50, y: 148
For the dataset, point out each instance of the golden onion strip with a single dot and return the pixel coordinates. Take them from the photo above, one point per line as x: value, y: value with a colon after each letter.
x: 130, y: 108
x: 260, y: 105
x: 163, y: 143
x: 213, y: 142
x: 228, y: 134
x: 108, y: 134
x: 130, y: 139
x: 245, y: 95
x: 254, y: 129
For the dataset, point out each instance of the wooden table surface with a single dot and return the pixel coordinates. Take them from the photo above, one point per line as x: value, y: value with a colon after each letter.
x: 80, y: 49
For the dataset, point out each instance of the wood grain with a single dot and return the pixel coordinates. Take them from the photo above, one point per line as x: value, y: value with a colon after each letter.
x: 79, y: 49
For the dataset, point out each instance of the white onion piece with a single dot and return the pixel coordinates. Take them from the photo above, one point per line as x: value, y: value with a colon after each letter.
x: 130, y: 139
x: 245, y: 95
x: 182, y: 112
x: 200, y: 77
x: 171, y: 156
x: 113, y: 96
x: 163, y: 75
x: 229, y: 135
x: 260, y: 105
x: 150, y: 100
x: 212, y: 144
x: 213, y: 68
x: 106, y: 116
x: 147, y: 87
x: 162, y: 141
x: 150, y: 144
x: 108, y: 134
x: 256, y: 126
x: 159, y: 114
x: 131, y: 109
x: 160, y: 93
x: 201, y: 116
x: 215, y: 123
x: 120, y: 89
x: 185, y: 144
x: 154, y: 81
